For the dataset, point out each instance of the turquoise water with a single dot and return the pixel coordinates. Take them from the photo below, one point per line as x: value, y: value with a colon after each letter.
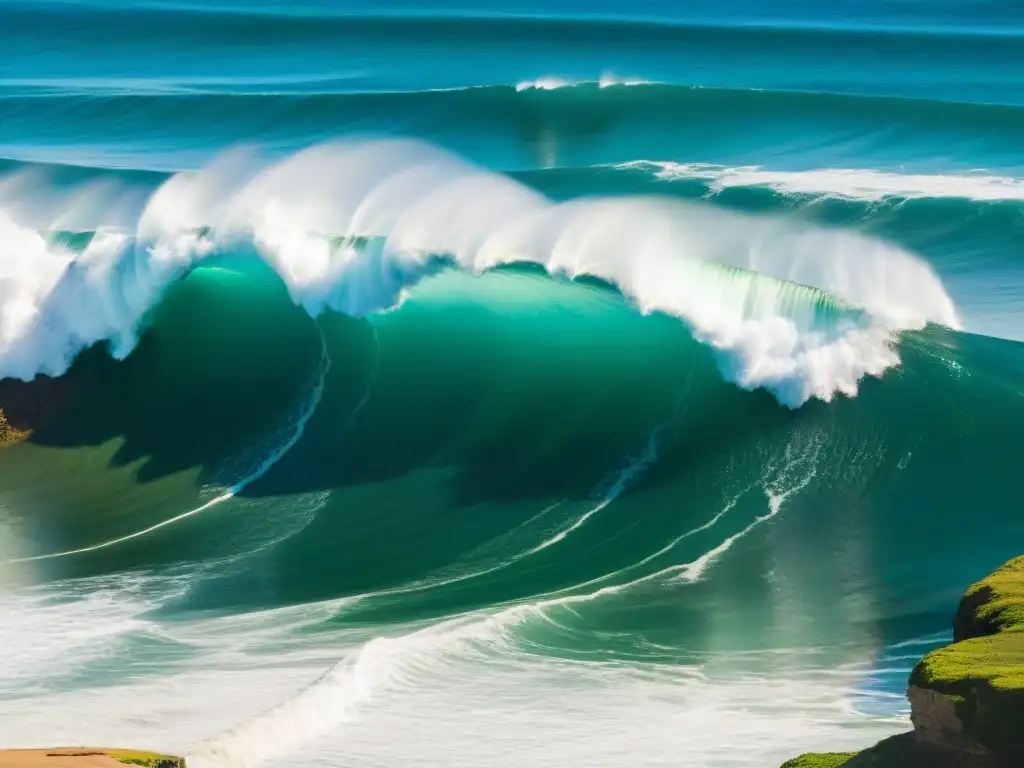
x: 557, y: 384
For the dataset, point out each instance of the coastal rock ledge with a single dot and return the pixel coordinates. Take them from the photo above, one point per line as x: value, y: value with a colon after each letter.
x: 86, y: 757
x: 967, y: 699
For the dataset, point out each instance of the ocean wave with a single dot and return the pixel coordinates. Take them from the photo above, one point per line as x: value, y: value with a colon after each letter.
x: 435, y: 684
x: 849, y: 183
x: 544, y: 84
x: 248, y: 470
x: 607, y: 80
x: 402, y: 668
x: 519, y: 124
x: 46, y: 637
x: 373, y: 676
x: 352, y: 226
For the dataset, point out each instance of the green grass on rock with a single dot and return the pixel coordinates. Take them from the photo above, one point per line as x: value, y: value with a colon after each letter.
x: 828, y: 760
x: 145, y: 759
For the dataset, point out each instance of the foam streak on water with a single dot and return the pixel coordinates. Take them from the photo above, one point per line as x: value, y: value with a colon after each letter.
x: 850, y: 183
x: 396, y: 667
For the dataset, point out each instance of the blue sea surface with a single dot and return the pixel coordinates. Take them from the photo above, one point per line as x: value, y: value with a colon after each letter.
x: 537, y: 383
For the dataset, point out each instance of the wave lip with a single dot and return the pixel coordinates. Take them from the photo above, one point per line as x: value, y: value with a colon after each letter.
x: 850, y: 183
x: 606, y: 80
x: 352, y: 226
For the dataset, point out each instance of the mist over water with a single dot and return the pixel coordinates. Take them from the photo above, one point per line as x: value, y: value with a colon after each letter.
x: 498, y: 387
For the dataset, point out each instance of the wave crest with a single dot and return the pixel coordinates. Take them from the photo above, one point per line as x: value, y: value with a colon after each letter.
x: 850, y: 183
x: 350, y: 226
x: 607, y: 80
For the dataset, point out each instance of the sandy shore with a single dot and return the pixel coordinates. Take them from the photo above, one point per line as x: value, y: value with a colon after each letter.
x: 77, y: 757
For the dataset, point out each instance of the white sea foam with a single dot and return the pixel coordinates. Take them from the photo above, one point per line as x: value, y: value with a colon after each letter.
x: 45, y: 635
x: 458, y: 694
x: 483, y: 688
x: 544, y: 84
x: 606, y: 80
x: 463, y: 694
x: 352, y: 226
x: 452, y: 689
x: 849, y: 183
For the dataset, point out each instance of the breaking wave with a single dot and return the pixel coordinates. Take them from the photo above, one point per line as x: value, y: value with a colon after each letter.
x: 799, y: 310
x: 850, y: 183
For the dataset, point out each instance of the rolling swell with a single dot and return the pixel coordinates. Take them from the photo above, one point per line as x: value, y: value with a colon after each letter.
x: 509, y: 469
x: 538, y: 477
x: 578, y: 124
x: 584, y: 401
x: 538, y: 471
x: 144, y: 39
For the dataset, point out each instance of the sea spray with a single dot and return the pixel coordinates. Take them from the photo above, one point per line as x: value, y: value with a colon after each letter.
x: 404, y: 210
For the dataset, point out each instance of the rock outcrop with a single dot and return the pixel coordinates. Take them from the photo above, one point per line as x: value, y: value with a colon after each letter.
x: 27, y: 404
x: 9, y: 434
x: 967, y: 699
x: 86, y: 757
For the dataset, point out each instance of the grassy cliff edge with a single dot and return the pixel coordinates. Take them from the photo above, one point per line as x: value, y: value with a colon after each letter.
x: 967, y: 699
x: 146, y: 759
x: 86, y: 757
x: 8, y: 434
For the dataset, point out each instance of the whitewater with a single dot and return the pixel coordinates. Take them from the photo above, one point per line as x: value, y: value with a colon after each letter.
x: 384, y: 215
x: 378, y: 686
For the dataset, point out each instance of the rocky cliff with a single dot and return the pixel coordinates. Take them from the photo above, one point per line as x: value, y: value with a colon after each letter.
x: 967, y: 699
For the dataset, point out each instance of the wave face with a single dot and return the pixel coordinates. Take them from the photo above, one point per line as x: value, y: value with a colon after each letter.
x: 801, y: 311
x: 500, y: 386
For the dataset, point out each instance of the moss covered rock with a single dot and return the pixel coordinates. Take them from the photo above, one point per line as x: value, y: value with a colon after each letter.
x: 896, y: 752
x: 993, y: 605
x: 825, y: 760
x: 86, y: 757
x: 146, y: 759
x: 967, y: 699
x: 969, y: 696
x: 9, y: 434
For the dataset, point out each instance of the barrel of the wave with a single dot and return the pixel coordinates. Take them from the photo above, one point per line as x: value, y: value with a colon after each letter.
x: 222, y: 384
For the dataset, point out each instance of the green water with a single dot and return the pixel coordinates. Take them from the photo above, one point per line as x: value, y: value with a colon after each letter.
x: 485, y: 416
